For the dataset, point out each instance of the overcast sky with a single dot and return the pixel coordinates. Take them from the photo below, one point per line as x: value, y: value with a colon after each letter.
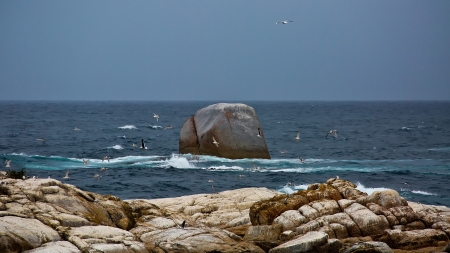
x: 224, y: 50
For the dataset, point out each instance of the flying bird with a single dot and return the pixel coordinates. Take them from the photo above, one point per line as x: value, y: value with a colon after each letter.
x: 183, y: 224
x: 168, y: 127
x: 76, y: 129
x: 40, y: 139
x: 215, y: 142
x: 85, y: 162
x: 66, y: 176
x: 298, y: 136
x: 105, y: 158
x: 143, y: 144
x: 301, y: 160
x: 156, y: 116
x: 8, y: 163
x: 334, y: 132
x: 408, y: 185
x: 283, y: 22
x: 259, y: 132
x: 97, y: 176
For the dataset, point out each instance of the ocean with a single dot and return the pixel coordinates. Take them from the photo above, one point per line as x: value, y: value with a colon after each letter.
x: 400, y: 145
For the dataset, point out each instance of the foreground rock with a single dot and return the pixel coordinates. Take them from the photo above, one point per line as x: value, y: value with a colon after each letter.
x: 233, y: 126
x: 45, y: 215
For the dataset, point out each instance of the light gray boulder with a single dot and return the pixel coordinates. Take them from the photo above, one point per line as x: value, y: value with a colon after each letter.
x: 305, y: 243
x: 369, y: 247
x: 368, y: 222
x: 104, y: 239
x: 55, y: 247
x: 196, y: 240
x: 18, y: 234
x: 233, y: 126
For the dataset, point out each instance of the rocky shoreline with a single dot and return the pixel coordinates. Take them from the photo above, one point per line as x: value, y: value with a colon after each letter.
x: 46, y: 215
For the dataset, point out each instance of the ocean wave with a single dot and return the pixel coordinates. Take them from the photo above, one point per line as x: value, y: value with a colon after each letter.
x: 289, y: 189
x: 369, y: 190
x: 128, y: 127
x: 424, y: 193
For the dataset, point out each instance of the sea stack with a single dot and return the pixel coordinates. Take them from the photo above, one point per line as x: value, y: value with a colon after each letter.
x: 233, y: 126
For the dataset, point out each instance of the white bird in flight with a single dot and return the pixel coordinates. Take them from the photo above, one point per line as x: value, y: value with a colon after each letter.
x: 283, y: 22
x: 298, y: 136
x: 105, y: 158
x: 156, y: 116
x: 334, y: 132
x: 8, y: 163
x: 215, y: 142
x: 66, y: 176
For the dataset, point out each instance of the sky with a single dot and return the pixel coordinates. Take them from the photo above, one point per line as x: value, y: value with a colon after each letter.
x: 224, y: 50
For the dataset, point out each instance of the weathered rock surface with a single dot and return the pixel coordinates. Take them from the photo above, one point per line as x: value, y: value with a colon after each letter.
x: 45, y: 215
x: 233, y: 126
x: 56, y: 247
x: 19, y: 234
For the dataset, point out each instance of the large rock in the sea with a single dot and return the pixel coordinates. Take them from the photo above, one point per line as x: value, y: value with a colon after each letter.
x: 235, y: 128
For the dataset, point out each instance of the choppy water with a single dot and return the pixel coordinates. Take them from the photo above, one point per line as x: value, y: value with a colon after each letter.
x: 379, y: 145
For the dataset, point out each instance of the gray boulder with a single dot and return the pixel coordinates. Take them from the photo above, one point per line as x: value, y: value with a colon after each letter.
x: 233, y: 126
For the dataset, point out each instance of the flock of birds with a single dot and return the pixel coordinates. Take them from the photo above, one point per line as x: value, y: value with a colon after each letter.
x: 297, y: 138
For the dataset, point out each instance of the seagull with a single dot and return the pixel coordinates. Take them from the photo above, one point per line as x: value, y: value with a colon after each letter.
x: 143, y: 144
x: 298, y: 136
x: 156, y: 116
x: 103, y: 169
x: 66, y: 176
x: 105, y: 158
x: 283, y: 22
x: 282, y: 151
x: 210, y: 181
x: 183, y: 224
x: 40, y: 139
x: 337, y: 177
x: 76, y: 129
x: 8, y: 163
x: 259, y: 132
x: 97, y: 176
x: 215, y: 142
x: 168, y: 127
x: 301, y: 160
x: 240, y: 176
x: 134, y: 145
x: 85, y: 162
x: 334, y: 132
x: 408, y: 186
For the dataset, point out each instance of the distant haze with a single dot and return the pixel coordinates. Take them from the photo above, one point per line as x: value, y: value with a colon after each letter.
x: 224, y: 50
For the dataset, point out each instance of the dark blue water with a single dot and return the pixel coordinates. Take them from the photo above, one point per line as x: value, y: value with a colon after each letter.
x: 379, y: 145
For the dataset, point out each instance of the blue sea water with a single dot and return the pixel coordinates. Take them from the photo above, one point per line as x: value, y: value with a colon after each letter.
x: 379, y: 145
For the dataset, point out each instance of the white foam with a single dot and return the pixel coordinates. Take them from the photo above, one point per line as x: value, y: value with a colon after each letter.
x: 424, y: 193
x: 368, y: 190
x: 117, y: 147
x: 128, y: 127
x: 179, y: 162
x: 291, y: 189
x: 439, y: 149
x: 223, y: 167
